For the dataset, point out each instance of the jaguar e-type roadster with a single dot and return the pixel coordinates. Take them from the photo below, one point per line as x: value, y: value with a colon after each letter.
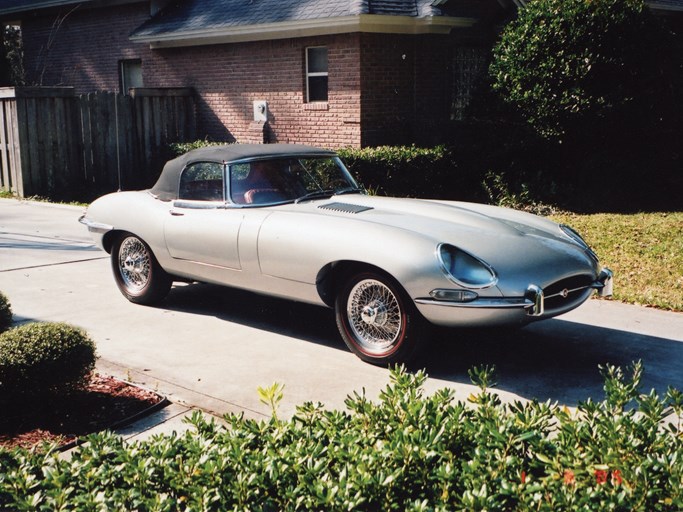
x: 290, y: 221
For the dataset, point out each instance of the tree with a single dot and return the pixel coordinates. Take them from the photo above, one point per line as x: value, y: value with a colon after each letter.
x: 573, y: 65
x: 4, y: 63
x: 11, y: 56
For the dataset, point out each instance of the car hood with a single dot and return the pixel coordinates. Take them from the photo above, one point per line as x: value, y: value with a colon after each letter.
x: 515, y: 244
x: 439, y: 219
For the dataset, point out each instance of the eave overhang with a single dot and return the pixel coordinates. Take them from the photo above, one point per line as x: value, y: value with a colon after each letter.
x: 369, y: 23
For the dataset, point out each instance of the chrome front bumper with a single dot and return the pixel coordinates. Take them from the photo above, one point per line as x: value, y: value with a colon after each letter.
x: 94, y: 227
x: 533, y: 303
x: 534, y: 298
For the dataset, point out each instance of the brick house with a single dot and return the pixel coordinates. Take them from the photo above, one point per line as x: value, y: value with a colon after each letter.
x: 326, y: 72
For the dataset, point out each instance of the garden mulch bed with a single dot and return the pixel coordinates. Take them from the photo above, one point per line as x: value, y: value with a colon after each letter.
x: 107, y: 403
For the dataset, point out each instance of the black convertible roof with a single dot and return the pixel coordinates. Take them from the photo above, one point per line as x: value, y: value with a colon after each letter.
x: 166, y: 187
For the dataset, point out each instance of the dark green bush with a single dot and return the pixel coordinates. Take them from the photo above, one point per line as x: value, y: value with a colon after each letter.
x: 42, y: 358
x: 406, y: 451
x: 409, y: 171
x: 601, y: 81
x: 5, y: 313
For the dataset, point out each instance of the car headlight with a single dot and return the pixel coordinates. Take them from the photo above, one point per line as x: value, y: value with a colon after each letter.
x: 464, y: 269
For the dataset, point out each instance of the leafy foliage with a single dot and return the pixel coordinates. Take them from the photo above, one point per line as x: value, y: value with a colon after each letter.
x: 5, y: 313
x: 408, y: 171
x: 42, y: 358
x: 600, y: 83
x: 567, y: 63
x: 405, y: 451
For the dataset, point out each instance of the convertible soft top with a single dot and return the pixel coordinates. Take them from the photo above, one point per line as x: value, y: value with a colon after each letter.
x: 166, y: 187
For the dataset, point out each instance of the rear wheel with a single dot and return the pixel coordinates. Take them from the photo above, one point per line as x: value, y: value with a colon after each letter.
x: 137, y: 272
x: 376, y: 319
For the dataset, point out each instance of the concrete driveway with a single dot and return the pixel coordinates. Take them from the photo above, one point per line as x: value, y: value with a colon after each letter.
x: 212, y: 347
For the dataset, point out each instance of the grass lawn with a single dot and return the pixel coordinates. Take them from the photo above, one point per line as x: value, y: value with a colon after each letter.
x: 644, y: 250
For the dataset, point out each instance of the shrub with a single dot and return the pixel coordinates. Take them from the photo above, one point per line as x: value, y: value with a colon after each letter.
x: 567, y: 61
x: 42, y: 358
x: 406, y: 171
x: 180, y: 148
x: 406, y: 451
x: 5, y: 313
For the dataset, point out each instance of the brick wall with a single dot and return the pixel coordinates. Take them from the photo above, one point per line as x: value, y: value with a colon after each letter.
x: 83, y: 50
x: 228, y: 78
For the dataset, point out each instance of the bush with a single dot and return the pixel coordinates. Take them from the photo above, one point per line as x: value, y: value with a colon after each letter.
x: 42, y: 358
x: 406, y: 451
x: 5, y: 313
x: 601, y: 81
x: 567, y: 61
x: 409, y: 171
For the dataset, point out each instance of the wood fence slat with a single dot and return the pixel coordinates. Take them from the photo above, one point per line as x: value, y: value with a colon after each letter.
x: 55, y: 143
x: 5, y: 182
x: 15, y: 153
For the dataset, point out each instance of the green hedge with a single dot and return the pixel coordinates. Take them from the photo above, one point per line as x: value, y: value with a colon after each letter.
x: 406, y: 451
x: 5, y: 313
x: 409, y: 171
x: 42, y: 358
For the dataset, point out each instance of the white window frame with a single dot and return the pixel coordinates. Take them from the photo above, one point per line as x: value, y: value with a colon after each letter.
x: 310, y: 75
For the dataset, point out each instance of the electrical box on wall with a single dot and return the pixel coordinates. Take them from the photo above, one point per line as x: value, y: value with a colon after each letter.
x: 260, y: 110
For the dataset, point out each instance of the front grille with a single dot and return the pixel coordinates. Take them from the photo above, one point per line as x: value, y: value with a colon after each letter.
x: 564, y: 292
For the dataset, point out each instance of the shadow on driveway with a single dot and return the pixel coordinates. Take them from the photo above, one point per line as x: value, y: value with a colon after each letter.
x: 553, y: 360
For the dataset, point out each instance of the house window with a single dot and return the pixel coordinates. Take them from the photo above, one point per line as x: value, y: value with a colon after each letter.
x: 316, y: 74
x: 469, y: 65
x: 130, y: 74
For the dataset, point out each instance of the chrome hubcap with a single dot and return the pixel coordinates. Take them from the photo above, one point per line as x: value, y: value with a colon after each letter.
x: 374, y: 315
x: 134, y: 264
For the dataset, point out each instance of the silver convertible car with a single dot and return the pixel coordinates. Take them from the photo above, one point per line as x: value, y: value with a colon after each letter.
x: 290, y: 221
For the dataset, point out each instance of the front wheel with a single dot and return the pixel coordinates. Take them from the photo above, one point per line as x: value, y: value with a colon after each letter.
x: 137, y: 272
x: 376, y: 319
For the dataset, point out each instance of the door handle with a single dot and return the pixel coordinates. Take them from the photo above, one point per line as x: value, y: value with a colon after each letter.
x: 176, y: 213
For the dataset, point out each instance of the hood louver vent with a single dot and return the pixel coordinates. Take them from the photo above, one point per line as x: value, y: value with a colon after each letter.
x: 344, y: 207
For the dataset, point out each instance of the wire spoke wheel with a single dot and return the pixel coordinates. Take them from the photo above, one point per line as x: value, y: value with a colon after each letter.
x: 137, y: 273
x: 376, y: 318
x: 135, y: 264
x: 374, y: 315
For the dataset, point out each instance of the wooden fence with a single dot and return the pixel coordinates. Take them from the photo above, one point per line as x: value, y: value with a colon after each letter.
x: 57, y: 144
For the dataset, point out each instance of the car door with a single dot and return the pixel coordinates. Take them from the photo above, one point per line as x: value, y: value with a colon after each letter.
x: 201, y: 232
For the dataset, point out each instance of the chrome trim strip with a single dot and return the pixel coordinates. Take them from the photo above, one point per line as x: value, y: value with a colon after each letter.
x: 481, y: 303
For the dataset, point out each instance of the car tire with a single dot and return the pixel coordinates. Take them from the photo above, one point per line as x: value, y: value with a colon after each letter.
x: 377, y: 320
x: 137, y: 272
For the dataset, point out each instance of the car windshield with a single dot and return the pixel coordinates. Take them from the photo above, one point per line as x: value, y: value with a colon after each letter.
x: 278, y: 180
